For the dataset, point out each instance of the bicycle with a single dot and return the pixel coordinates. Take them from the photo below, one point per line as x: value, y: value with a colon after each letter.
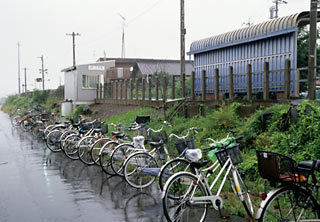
x: 189, y: 195
x: 122, y: 152
x: 180, y: 163
x: 293, y: 199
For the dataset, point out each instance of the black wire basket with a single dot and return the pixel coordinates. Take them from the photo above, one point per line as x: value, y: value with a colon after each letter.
x: 276, y: 167
x: 233, y: 152
x: 181, y: 145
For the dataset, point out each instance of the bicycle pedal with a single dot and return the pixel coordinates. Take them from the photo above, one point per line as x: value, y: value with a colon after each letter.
x: 224, y: 217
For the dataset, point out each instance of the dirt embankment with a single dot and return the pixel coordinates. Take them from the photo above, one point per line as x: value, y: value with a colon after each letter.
x: 106, y: 111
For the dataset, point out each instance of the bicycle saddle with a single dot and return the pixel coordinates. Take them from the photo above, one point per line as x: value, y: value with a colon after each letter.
x: 198, y: 165
x: 118, y: 135
x: 310, y: 165
x: 156, y: 144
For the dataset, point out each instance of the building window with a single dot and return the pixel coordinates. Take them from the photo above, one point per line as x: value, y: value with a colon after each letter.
x: 89, y: 82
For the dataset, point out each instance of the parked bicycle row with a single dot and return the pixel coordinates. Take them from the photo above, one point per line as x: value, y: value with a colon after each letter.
x: 192, y: 180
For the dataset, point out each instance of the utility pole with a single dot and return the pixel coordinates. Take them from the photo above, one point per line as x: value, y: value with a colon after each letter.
x: 42, y: 70
x: 312, y: 60
x: 74, y: 46
x: 182, y: 45
x: 25, y: 80
x: 19, y: 90
x: 277, y: 2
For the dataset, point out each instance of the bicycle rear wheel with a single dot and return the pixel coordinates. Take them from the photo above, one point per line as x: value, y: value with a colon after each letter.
x: 178, y: 204
x: 290, y: 203
x: 140, y: 170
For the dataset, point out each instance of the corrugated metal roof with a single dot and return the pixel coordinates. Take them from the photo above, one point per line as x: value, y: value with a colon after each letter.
x: 267, y: 29
x: 173, y: 68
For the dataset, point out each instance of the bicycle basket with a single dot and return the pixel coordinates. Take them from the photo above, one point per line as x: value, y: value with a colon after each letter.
x: 276, y: 167
x: 104, y: 128
x: 212, y: 154
x: 181, y: 145
x: 232, y: 151
x: 157, y: 137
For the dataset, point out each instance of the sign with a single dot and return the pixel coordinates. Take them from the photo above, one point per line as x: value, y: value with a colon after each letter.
x: 38, y: 79
x: 100, y: 68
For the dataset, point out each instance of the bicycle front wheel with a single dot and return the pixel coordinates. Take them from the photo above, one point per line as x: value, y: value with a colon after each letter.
x: 95, y: 149
x: 119, y: 156
x: 179, y: 203
x: 84, y: 148
x: 172, y: 167
x: 53, y: 140
x: 290, y: 203
x: 105, y: 155
x: 140, y: 170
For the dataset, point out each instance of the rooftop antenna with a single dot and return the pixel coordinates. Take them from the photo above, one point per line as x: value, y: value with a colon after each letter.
x: 248, y: 23
x: 277, y: 3
x: 123, y: 26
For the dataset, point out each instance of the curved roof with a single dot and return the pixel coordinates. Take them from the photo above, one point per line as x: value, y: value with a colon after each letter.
x: 266, y: 29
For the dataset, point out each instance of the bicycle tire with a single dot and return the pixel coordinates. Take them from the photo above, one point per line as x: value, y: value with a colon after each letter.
x: 138, y: 170
x: 70, y: 148
x: 95, y: 149
x: 171, y: 167
x: 119, y: 156
x: 53, y: 140
x: 63, y: 137
x: 180, y: 208
x: 287, y: 202
x: 104, y: 157
x: 84, y: 146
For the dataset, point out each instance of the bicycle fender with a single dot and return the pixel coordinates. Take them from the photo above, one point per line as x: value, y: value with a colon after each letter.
x: 264, y: 202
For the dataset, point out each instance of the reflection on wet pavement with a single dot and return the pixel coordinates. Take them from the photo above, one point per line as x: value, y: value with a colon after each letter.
x: 38, y: 185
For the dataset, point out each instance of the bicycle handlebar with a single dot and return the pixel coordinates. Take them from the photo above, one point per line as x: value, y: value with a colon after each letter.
x: 183, y: 137
x: 223, y: 146
x: 159, y: 130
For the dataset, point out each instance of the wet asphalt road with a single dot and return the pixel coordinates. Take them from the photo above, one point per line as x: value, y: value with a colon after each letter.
x: 37, y: 185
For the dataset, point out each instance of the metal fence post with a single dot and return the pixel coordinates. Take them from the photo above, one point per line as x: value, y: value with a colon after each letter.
x: 97, y: 96
x: 204, y: 87
x: 143, y: 88
x: 231, y: 92
x: 130, y: 88
x: 287, y: 73
x: 192, y: 86
x: 157, y: 88
x: 266, y: 81
x: 216, y: 84
x: 249, y: 82
x: 183, y: 81
x: 173, y: 96
x: 164, y: 96
x: 149, y: 88
x: 137, y: 89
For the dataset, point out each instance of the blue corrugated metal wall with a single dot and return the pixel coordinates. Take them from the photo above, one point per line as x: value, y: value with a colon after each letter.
x: 274, y: 50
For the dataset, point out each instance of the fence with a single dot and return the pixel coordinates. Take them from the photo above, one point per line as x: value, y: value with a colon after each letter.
x: 146, y: 89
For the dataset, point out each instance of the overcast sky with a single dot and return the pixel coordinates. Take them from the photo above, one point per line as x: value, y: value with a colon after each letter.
x: 152, y: 30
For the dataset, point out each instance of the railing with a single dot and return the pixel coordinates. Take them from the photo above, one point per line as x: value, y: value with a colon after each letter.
x: 169, y: 88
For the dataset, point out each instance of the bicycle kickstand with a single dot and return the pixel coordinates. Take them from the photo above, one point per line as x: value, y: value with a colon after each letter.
x: 219, y: 209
